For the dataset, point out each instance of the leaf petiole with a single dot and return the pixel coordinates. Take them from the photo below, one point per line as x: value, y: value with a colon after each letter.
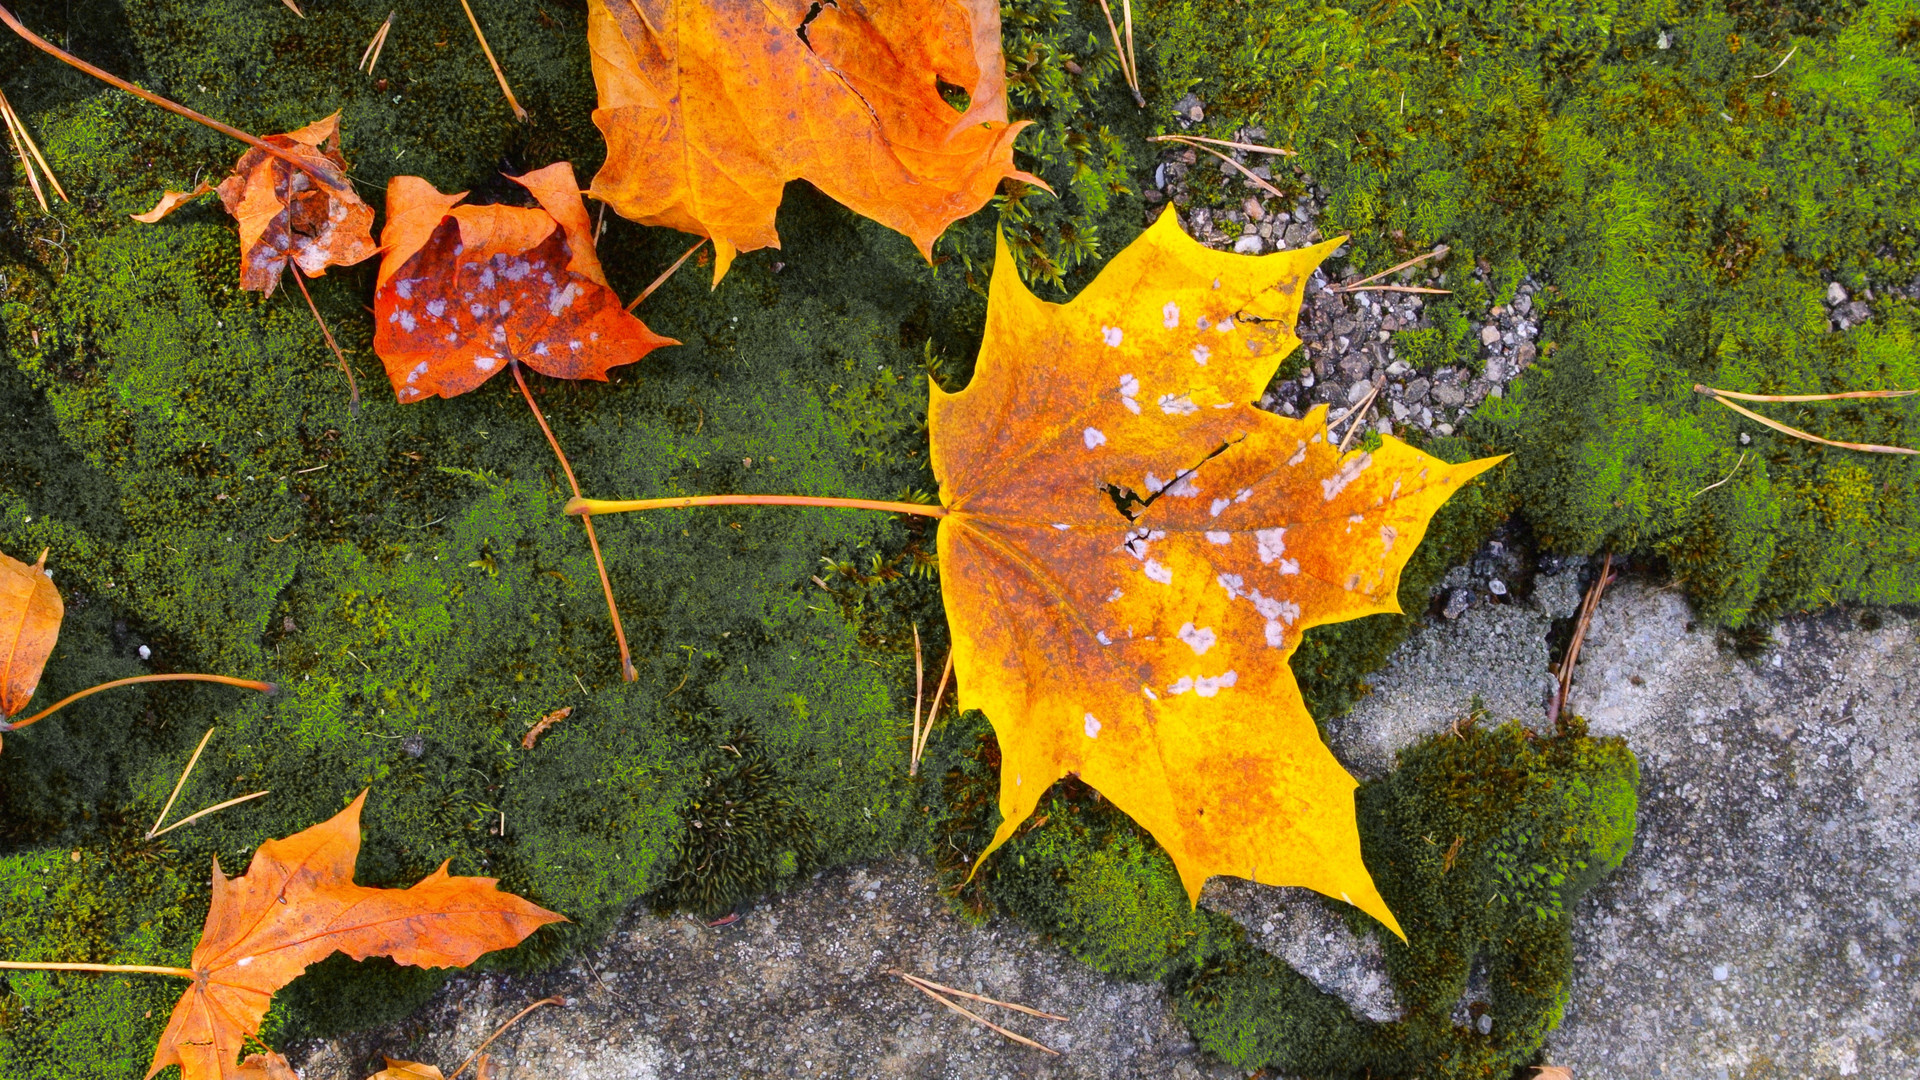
x: 618, y: 506
x: 134, y: 969
x: 228, y: 680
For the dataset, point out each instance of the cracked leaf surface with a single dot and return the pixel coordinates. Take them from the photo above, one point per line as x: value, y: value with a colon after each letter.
x: 1149, y: 655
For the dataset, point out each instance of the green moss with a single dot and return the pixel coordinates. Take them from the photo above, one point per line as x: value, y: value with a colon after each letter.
x: 1687, y: 216
x: 1481, y: 842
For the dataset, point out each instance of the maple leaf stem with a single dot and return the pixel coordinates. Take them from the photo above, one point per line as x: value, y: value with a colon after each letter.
x: 585, y: 507
x: 132, y: 969
x: 111, y: 79
x: 627, y: 671
x: 228, y: 680
x: 353, y: 388
x: 501, y: 1030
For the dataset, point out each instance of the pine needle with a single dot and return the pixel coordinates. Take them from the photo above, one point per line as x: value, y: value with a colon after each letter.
x: 930, y: 984
x: 1250, y: 147
x: 1352, y: 420
x: 1870, y: 448
x: 518, y: 112
x: 353, y: 388
x: 379, y: 43
x: 1124, y: 51
x: 26, y: 137
x: 181, y: 783
x: 976, y: 1017
x: 1244, y: 171
x: 920, y: 741
x: 501, y: 1030
x: 1439, y: 252
x: 1722, y: 480
x: 214, y: 809
x: 667, y: 273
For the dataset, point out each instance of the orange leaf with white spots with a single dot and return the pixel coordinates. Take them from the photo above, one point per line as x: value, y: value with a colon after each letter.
x: 463, y: 290
x: 1146, y: 650
x: 709, y: 107
x: 30, y: 616
x: 309, y: 217
x: 296, y: 905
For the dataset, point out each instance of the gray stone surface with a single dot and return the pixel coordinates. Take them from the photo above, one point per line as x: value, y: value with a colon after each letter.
x: 1765, y: 924
x: 796, y: 988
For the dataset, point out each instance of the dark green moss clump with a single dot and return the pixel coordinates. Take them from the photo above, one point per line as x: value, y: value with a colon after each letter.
x: 1481, y: 842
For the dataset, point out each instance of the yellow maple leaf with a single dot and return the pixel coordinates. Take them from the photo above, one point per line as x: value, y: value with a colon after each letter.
x: 1146, y: 649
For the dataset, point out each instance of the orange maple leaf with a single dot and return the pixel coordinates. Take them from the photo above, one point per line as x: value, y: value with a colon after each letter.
x: 297, y: 904
x: 710, y: 108
x: 464, y: 289
x: 30, y: 615
x: 310, y: 217
x: 1146, y: 648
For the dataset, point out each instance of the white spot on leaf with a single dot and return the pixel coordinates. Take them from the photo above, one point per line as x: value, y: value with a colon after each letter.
x: 1093, y: 726
x: 1201, y: 354
x: 1177, y: 405
x: 1217, y: 506
x: 1348, y: 473
x: 1199, y: 640
x: 1276, y: 635
x: 1216, y: 536
x: 1289, y: 566
x: 1156, y: 572
x: 1170, y: 315
x: 1110, y: 335
x: 1272, y: 543
x: 1209, y: 685
x: 1092, y: 436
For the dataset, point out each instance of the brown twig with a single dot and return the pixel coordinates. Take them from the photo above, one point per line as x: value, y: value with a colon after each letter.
x: 1587, y: 608
x: 930, y: 984
x: 1352, y: 419
x: 225, y: 680
x: 977, y: 1018
x: 1439, y: 252
x: 1870, y: 448
x: 181, y: 783
x: 353, y: 388
x: 310, y: 168
x: 497, y: 1032
x: 940, y: 692
x: 214, y: 809
x: 518, y: 112
x: 664, y: 274
x: 627, y: 670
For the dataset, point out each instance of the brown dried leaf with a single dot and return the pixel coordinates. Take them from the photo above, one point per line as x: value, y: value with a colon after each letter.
x: 171, y: 201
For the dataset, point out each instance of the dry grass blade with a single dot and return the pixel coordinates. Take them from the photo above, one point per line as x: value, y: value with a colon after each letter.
x: 1439, y: 252
x: 1250, y: 147
x: 517, y: 1017
x: 978, y: 1019
x: 931, y: 985
x: 628, y: 672
x: 1352, y: 420
x: 1870, y: 448
x: 372, y: 56
x: 665, y: 274
x: 1244, y: 171
x: 353, y: 388
x: 518, y: 112
x: 181, y: 783
x: 1781, y: 64
x: 919, y: 685
x: 1722, y: 480
x: 920, y: 743
x: 214, y: 809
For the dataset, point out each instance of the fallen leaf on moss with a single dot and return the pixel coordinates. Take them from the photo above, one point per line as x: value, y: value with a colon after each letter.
x: 30, y: 615
x: 171, y: 201
x: 464, y: 289
x: 297, y: 904
x: 312, y: 218
x: 710, y: 108
x: 1132, y: 552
